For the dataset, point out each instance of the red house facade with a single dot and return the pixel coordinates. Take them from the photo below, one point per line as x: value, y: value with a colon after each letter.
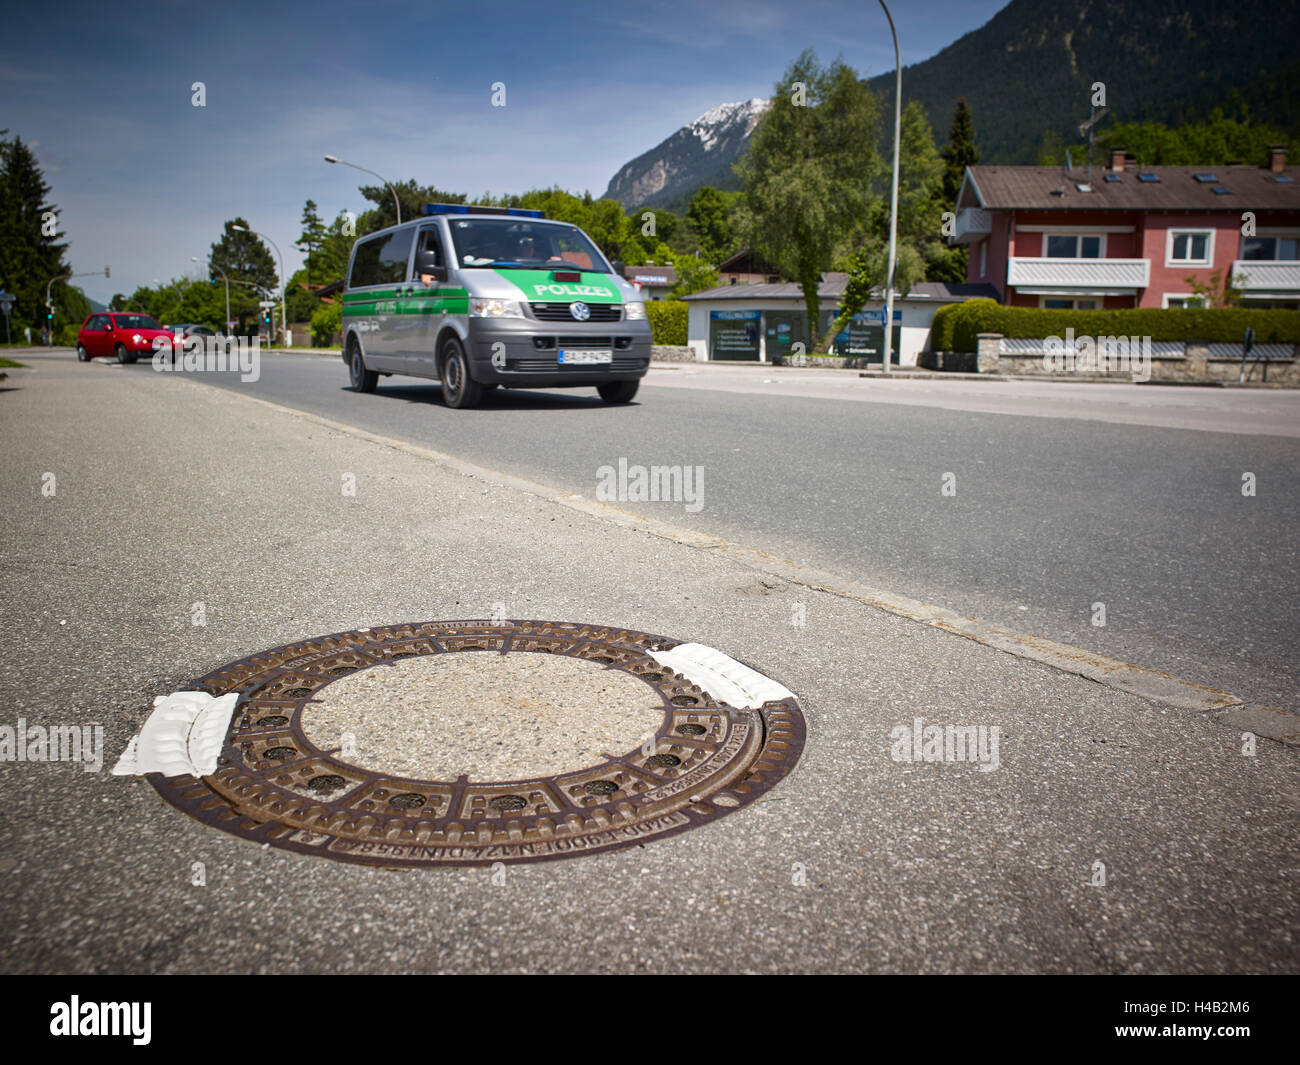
x: 1129, y: 236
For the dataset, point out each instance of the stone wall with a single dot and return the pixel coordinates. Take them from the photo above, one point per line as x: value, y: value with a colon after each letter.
x: 1193, y: 361
x: 834, y: 362
x: 948, y: 361
x: 671, y: 353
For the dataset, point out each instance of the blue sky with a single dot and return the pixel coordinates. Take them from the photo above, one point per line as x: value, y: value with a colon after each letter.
x: 144, y: 180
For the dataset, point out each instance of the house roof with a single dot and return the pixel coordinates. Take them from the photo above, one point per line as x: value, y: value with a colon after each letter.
x: 832, y: 288
x: 745, y: 261
x: 651, y: 275
x: 1177, y: 189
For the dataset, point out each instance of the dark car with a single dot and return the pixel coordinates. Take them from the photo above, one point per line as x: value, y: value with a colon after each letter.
x: 192, y: 330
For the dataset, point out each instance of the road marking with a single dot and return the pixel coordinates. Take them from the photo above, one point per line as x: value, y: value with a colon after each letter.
x: 1149, y: 684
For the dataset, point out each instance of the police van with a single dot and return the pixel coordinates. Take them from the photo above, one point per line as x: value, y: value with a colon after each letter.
x: 481, y: 297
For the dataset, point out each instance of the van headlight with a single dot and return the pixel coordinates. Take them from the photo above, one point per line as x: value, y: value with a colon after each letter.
x: 485, y: 308
x: 634, y: 312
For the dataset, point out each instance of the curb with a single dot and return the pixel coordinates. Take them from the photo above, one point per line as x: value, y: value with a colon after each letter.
x: 1149, y: 684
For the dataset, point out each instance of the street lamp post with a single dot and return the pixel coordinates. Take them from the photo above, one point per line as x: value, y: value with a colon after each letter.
x: 194, y: 259
x: 49, y: 306
x: 252, y: 284
x: 893, y: 196
x: 284, y: 286
x: 344, y: 162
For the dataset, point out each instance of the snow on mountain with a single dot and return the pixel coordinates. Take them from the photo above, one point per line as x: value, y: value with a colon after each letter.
x: 700, y: 153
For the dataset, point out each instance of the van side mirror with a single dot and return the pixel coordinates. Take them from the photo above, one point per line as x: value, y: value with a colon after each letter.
x: 426, y: 262
x: 620, y: 268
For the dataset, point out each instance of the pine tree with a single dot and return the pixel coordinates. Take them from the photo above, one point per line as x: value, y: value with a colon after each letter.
x: 335, y: 249
x: 29, y: 258
x: 708, y: 218
x: 244, y: 258
x: 960, y: 151
x: 313, y: 235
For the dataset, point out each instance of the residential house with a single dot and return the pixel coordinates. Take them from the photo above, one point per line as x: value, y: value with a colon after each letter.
x: 653, y: 281
x: 746, y: 268
x: 1127, y: 235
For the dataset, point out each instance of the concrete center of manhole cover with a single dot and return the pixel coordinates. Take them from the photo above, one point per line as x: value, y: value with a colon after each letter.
x: 487, y: 716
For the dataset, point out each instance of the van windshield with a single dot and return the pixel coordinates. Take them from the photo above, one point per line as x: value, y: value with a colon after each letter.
x: 524, y: 244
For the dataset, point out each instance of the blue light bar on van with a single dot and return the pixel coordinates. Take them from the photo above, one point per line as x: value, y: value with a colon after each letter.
x: 473, y: 208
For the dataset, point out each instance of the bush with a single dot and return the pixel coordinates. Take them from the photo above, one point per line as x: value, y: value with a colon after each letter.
x: 326, y: 323
x: 667, y: 321
x: 956, y: 326
x: 66, y: 335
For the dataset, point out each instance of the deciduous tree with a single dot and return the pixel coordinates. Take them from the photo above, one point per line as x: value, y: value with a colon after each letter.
x: 808, y: 175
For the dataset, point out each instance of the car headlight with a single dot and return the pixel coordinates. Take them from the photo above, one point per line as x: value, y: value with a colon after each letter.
x: 634, y: 312
x: 137, y: 339
x: 486, y: 308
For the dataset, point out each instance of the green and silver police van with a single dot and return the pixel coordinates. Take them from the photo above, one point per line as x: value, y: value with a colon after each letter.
x: 481, y: 297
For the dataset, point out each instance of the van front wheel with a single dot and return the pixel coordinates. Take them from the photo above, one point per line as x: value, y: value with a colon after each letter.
x: 618, y: 391
x: 362, y: 380
x: 459, y: 390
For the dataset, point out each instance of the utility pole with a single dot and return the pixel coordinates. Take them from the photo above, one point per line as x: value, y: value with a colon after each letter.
x: 344, y: 162
x: 49, y: 305
x: 893, y: 196
x: 284, y: 286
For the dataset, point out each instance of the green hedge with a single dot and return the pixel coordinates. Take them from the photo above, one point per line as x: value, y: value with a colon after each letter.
x: 956, y: 326
x: 667, y: 321
x: 326, y: 324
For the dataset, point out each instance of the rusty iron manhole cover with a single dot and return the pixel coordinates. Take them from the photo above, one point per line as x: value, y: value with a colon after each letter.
x: 274, y: 785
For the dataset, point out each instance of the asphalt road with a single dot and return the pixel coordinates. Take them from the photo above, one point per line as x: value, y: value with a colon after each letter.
x: 1066, y: 495
x: 1116, y: 835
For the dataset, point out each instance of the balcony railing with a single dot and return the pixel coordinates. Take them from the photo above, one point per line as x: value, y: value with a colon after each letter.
x: 1095, y: 274
x: 973, y: 223
x: 1257, y: 277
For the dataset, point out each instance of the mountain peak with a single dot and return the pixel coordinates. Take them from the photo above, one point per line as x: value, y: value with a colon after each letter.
x: 1028, y: 71
x: 700, y: 153
x: 715, y: 120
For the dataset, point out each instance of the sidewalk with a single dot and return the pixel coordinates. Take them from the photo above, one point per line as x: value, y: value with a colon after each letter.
x: 170, y: 493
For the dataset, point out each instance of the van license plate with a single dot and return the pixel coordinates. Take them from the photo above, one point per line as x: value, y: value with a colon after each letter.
x: 585, y: 355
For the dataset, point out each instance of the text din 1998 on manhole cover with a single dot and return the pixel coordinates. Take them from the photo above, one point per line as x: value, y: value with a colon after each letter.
x: 456, y: 743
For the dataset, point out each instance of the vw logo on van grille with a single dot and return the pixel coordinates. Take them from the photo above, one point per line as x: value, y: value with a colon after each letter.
x: 580, y: 311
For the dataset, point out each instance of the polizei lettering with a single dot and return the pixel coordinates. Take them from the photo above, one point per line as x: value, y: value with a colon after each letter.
x: 570, y: 290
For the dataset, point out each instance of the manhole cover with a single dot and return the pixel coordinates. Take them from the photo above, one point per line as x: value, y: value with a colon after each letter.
x: 377, y: 745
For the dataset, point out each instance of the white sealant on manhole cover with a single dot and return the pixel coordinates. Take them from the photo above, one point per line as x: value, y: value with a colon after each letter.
x: 183, y: 734
x: 722, y: 676
x: 488, y: 716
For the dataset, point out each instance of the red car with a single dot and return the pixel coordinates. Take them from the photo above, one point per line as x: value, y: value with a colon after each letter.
x: 124, y: 334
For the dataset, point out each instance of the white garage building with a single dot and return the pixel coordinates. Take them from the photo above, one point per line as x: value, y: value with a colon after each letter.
x: 761, y: 322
